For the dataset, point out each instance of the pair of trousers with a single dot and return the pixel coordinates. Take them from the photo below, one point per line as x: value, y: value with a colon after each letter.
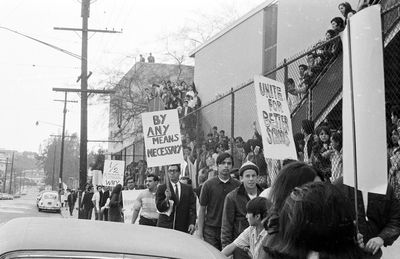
x: 147, y: 221
x: 212, y: 235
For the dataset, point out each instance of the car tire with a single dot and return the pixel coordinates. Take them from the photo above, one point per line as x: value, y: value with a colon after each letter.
x: 39, y: 209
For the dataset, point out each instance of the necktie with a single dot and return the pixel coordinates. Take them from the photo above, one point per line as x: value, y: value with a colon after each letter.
x: 177, y: 191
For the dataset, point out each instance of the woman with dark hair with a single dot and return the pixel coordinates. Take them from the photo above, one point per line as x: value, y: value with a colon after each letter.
x: 317, y: 222
x: 292, y: 175
x: 337, y: 24
x: 346, y: 10
x: 320, y: 151
x: 114, y: 213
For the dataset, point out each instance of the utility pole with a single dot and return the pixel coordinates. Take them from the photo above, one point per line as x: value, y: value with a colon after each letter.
x: 5, y: 176
x: 54, y: 165
x: 62, y: 141
x: 11, y: 173
x: 85, y: 13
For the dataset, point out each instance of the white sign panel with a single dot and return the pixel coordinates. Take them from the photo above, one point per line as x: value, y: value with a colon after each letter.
x: 113, y: 172
x: 162, y: 138
x: 128, y: 200
x: 369, y: 103
x: 274, y: 119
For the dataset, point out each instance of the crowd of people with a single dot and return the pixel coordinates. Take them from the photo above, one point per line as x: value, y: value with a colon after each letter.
x: 319, y: 60
x: 301, y: 215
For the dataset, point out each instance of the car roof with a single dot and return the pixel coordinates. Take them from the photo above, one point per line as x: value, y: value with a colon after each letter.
x: 100, y: 236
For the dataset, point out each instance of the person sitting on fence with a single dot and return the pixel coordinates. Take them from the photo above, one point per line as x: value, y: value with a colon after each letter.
x: 333, y: 48
x: 337, y: 24
x: 293, y: 96
x: 305, y: 80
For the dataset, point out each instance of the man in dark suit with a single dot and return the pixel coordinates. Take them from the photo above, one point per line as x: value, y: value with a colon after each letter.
x: 176, y: 204
x: 87, y: 204
x: 104, y: 211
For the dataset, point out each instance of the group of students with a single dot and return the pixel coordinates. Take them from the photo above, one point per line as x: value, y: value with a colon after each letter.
x: 318, y: 60
x: 302, y: 214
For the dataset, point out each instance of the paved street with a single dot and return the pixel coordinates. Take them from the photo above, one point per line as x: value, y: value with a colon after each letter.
x: 22, y: 207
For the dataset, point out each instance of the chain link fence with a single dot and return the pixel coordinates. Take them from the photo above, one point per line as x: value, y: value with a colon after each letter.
x: 313, y: 81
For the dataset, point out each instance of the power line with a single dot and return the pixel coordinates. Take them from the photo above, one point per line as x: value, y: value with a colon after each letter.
x: 44, y: 43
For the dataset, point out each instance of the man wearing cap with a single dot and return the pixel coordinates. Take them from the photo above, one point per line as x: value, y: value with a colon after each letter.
x: 234, y: 214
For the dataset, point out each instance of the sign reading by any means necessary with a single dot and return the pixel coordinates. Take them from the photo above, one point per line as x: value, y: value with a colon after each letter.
x: 274, y: 119
x: 162, y: 138
x: 113, y: 172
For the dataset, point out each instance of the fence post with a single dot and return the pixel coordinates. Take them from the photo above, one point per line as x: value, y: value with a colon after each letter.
x: 232, y: 118
x: 285, y: 76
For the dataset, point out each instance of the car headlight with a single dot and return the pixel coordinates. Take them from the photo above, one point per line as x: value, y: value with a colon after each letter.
x: 41, y: 203
x: 58, y: 204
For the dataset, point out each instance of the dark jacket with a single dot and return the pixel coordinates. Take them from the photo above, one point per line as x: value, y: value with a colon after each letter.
x: 87, y: 203
x: 383, y: 213
x: 234, y: 215
x: 71, y: 199
x: 103, y: 199
x: 184, y: 209
x: 114, y: 212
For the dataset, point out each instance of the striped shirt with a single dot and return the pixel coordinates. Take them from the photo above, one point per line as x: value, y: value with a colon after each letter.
x: 249, y: 238
x: 146, y: 201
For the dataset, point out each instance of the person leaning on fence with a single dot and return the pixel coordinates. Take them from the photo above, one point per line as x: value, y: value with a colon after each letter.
x: 337, y: 24
x: 234, y: 214
x: 212, y: 198
x: 346, y: 10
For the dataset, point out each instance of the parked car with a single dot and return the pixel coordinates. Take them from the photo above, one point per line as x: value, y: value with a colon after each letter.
x: 74, y: 238
x: 49, y: 201
x: 6, y: 196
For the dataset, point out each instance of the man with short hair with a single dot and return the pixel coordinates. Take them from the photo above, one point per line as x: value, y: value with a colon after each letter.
x: 212, y: 198
x: 176, y: 203
x: 146, y: 203
x: 150, y: 58
x: 234, y: 213
x: 87, y: 204
x: 71, y: 199
x: 252, y: 238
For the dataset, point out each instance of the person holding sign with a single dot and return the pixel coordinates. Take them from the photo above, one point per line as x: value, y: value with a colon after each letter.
x: 176, y: 203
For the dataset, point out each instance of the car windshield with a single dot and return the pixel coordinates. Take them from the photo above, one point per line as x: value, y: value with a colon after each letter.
x: 50, y: 196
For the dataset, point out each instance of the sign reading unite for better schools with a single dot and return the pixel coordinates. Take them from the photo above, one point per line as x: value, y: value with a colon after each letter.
x: 113, y: 172
x: 162, y: 138
x: 274, y: 119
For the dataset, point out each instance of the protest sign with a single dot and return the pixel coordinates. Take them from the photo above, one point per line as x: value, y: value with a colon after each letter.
x: 364, y: 118
x: 128, y: 200
x: 113, y: 172
x: 162, y: 138
x: 274, y: 119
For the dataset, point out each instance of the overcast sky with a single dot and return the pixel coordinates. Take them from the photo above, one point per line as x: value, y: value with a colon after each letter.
x: 30, y: 70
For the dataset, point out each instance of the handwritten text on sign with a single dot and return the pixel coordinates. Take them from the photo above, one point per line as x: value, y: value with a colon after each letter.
x: 274, y: 119
x: 113, y: 172
x: 162, y: 137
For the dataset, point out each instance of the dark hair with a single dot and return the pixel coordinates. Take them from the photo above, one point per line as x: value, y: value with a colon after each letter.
x: 258, y: 206
x: 395, y: 110
x: 224, y: 156
x: 292, y: 175
x: 331, y: 32
x: 178, y: 165
x: 336, y: 136
x: 222, y: 131
x: 290, y: 81
x: 305, y: 67
x: 348, y: 9
x: 239, y: 138
x: 326, y: 129
x: 317, y: 217
x: 155, y: 177
x: 117, y: 189
x: 339, y: 21
x: 307, y: 126
x: 215, y: 127
x: 288, y: 161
